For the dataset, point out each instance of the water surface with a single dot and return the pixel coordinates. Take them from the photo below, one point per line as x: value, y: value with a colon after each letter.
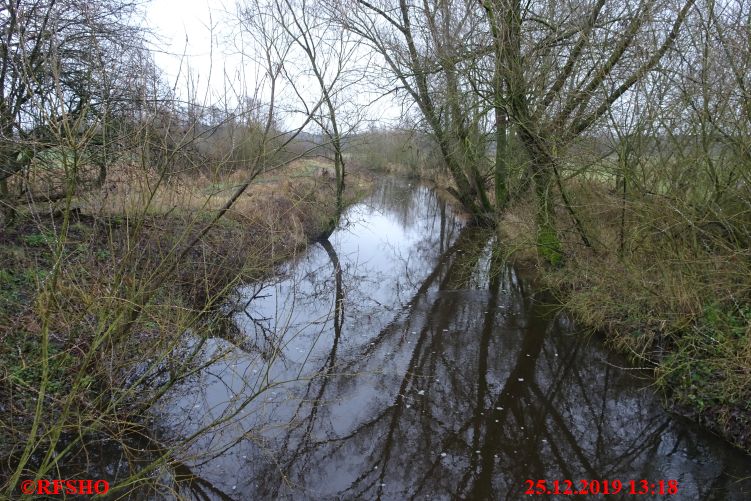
x: 404, y: 360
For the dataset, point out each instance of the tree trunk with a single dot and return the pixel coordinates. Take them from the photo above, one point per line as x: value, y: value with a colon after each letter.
x: 9, y: 213
x: 548, y: 244
x: 501, y: 160
x: 102, y: 177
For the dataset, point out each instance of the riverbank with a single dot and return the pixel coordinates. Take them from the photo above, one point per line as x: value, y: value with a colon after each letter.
x: 670, y: 295
x: 405, y: 327
x: 114, y: 275
x: 677, y: 306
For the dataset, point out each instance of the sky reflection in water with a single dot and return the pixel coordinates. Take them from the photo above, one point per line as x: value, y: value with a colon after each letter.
x: 407, y: 362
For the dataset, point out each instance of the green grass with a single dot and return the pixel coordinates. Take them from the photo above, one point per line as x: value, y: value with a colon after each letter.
x: 15, y: 285
x: 707, y: 366
x: 39, y: 239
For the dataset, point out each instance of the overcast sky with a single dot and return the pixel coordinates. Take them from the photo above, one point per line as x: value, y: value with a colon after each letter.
x: 183, y: 31
x: 183, y: 28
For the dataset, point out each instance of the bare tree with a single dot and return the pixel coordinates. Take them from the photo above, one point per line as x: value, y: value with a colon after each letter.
x: 328, y: 52
x: 74, y: 58
x: 427, y: 49
x: 555, y: 73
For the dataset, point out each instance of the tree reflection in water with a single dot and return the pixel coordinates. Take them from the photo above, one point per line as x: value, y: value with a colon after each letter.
x: 418, y: 365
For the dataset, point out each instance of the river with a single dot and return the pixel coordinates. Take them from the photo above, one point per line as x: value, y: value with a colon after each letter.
x: 403, y: 359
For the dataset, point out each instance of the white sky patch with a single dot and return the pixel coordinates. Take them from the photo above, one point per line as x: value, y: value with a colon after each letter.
x: 193, y: 46
x: 190, y: 46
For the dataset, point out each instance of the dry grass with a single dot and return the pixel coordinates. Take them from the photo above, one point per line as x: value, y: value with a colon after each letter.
x: 130, y: 190
x: 114, y: 260
x: 676, y: 295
